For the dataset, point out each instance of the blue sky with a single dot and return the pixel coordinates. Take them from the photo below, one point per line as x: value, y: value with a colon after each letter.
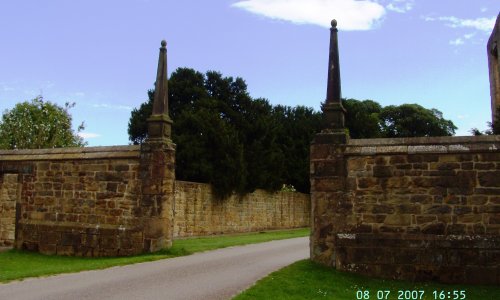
x: 103, y: 54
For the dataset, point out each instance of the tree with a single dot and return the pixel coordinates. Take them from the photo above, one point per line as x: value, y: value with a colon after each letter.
x: 413, y: 120
x: 362, y: 118
x: 137, y: 125
x: 264, y: 158
x: 38, y: 124
x: 208, y: 149
x: 227, y: 139
x: 207, y: 128
x: 298, y: 125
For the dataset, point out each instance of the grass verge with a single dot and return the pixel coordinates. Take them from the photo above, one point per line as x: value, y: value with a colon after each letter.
x: 307, y: 280
x: 16, y: 264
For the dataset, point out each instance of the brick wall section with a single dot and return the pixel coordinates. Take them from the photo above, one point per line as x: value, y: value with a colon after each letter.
x: 415, y: 209
x: 198, y: 212
x: 8, y: 197
x: 87, y: 201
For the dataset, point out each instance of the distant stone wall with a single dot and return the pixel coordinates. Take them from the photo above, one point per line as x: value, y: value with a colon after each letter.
x: 198, y: 212
x: 415, y: 208
x: 8, y: 197
x: 99, y: 201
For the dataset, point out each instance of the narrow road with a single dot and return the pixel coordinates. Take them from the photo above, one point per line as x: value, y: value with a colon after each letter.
x: 218, y: 274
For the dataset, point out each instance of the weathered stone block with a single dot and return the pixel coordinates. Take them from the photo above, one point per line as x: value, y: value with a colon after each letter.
x: 368, y: 183
x: 421, y: 199
x: 331, y: 184
x: 461, y: 210
x: 381, y: 160
x: 408, y: 209
x: 437, y: 209
x: 484, y: 166
x: 108, y: 176
x: 391, y: 229
x: 398, y: 219
x: 489, y: 179
x: 470, y: 218
x: 434, y: 228
x: 382, y: 171
x: 334, y: 167
x: 489, y: 157
x: 370, y: 218
x: 382, y: 209
x: 455, y: 229
x: 487, y: 191
x: 467, y: 165
x: 493, y: 219
x: 398, y: 159
x: 356, y: 164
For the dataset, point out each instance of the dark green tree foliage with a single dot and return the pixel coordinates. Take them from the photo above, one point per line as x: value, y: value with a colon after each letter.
x: 298, y: 127
x: 137, y: 125
x: 223, y: 136
x: 186, y: 87
x: 208, y: 149
x: 362, y: 118
x: 38, y: 124
x: 413, y: 120
x: 263, y: 156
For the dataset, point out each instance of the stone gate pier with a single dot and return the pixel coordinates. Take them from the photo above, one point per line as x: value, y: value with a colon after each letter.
x: 95, y: 201
x: 404, y: 208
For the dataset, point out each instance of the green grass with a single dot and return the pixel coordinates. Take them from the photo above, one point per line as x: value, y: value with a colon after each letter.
x: 307, y: 280
x: 16, y: 264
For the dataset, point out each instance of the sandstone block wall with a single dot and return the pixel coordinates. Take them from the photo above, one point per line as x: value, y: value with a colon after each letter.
x: 85, y: 201
x: 108, y: 201
x: 416, y: 209
x: 8, y: 197
x: 198, y: 212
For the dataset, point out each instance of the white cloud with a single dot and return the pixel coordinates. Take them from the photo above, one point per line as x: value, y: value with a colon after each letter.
x: 350, y: 14
x: 483, y: 24
x: 461, y: 41
x: 469, y: 36
x: 484, y: 9
x: 88, y: 135
x: 112, y: 106
x: 401, y: 6
x: 457, y: 42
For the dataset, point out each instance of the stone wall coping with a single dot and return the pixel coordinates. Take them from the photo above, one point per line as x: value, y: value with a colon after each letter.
x: 423, y: 145
x: 113, y: 152
x: 79, y: 226
x: 426, y: 140
x: 411, y: 236
x: 207, y: 185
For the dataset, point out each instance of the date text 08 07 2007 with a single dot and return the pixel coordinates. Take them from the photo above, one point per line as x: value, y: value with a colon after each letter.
x: 410, y: 295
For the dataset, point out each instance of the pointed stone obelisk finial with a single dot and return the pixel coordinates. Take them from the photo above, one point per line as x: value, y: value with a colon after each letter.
x: 333, y: 111
x: 333, y: 92
x: 160, y: 124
